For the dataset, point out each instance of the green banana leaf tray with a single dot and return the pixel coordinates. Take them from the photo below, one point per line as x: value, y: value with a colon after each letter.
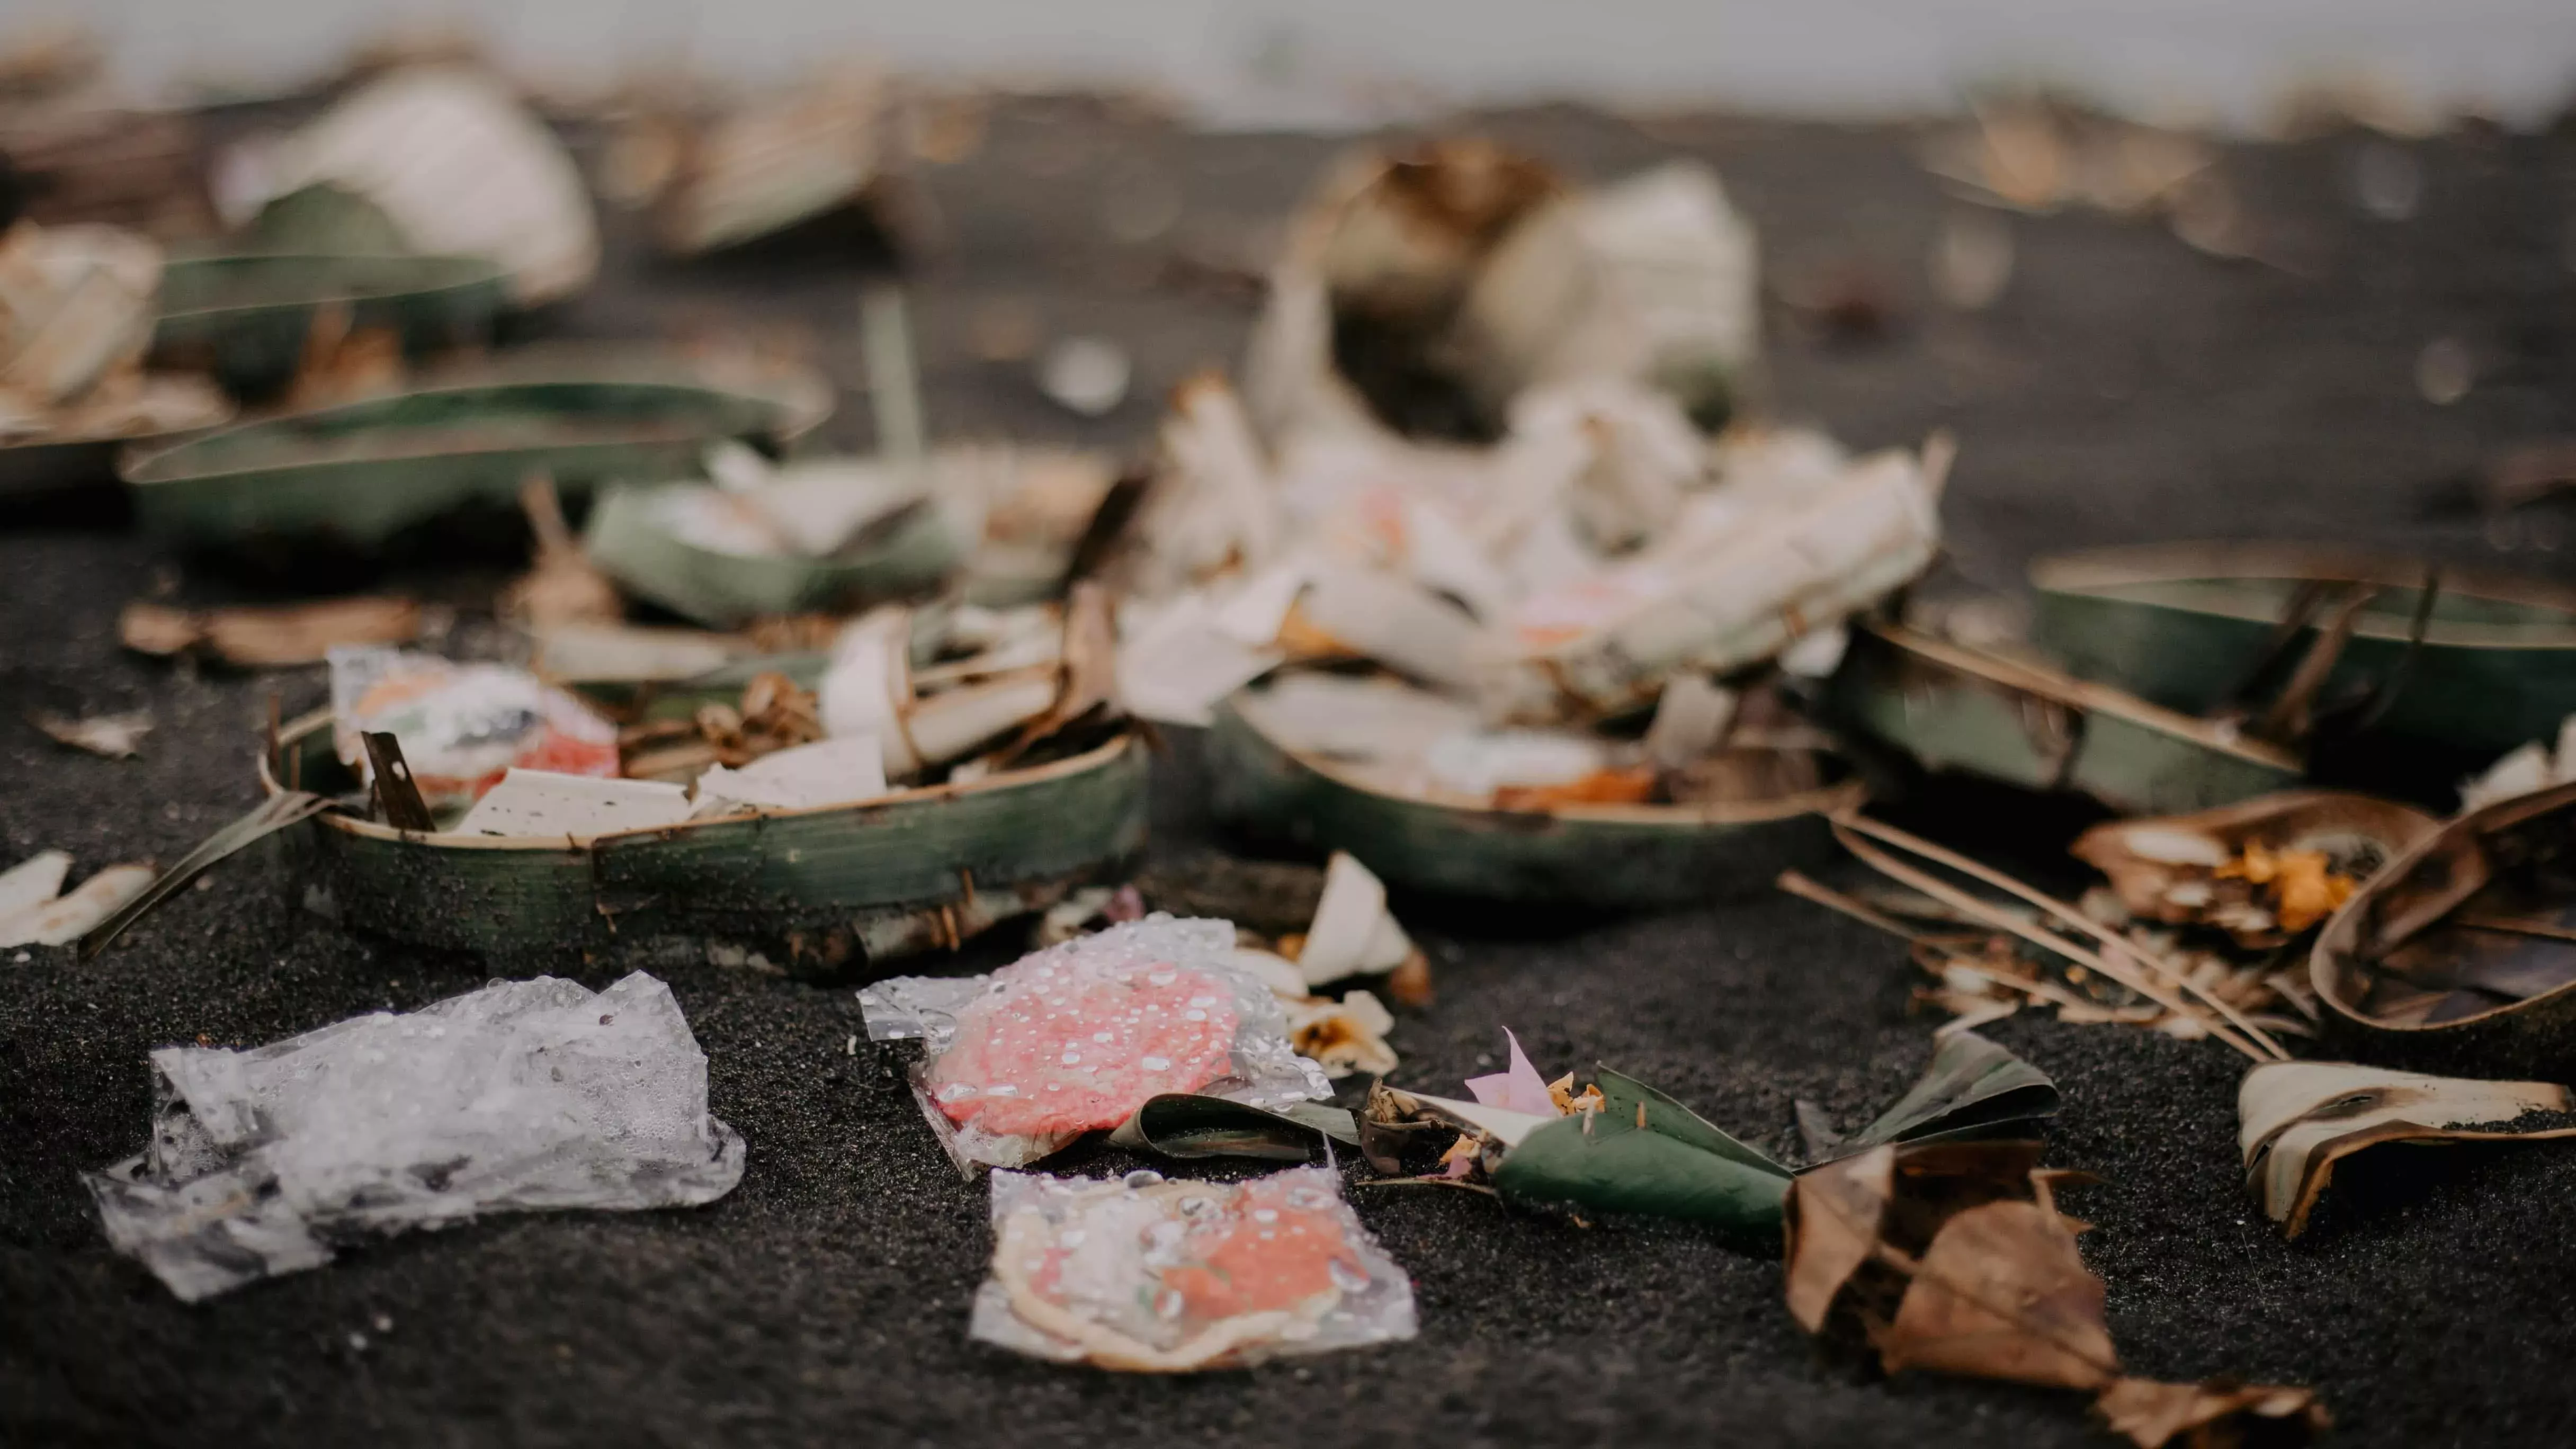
x: 2183, y: 625
x: 246, y: 317
x: 819, y: 892
x: 1622, y: 856
x: 1955, y: 708
x: 360, y: 472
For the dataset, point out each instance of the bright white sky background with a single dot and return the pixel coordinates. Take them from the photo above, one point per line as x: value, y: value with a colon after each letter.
x: 1272, y: 62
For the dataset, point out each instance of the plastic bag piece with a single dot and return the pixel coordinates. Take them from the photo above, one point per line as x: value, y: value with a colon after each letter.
x: 1151, y: 1276
x: 524, y: 1096
x: 1075, y: 1038
x: 463, y: 726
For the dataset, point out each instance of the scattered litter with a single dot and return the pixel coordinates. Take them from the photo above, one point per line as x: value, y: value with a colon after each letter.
x: 1149, y: 1276
x: 571, y: 807
x: 1420, y: 292
x: 1087, y: 375
x: 1076, y: 1037
x: 2457, y: 955
x: 801, y: 777
x: 1182, y: 1124
x: 772, y: 163
x: 822, y: 533
x: 2298, y: 1119
x: 773, y: 714
x: 2017, y: 718
x: 1953, y: 1257
x: 2264, y: 870
x: 463, y: 726
x: 2525, y: 770
x: 563, y: 587
x: 75, y: 323
x: 2088, y: 970
x: 117, y: 736
x: 2038, y: 153
x: 35, y: 912
x: 1297, y: 928
x: 440, y: 160
x: 2287, y: 643
x: 360, y: 473
x: 1622, y: 1146
x: 271, y: 638
x: 524, y: 1096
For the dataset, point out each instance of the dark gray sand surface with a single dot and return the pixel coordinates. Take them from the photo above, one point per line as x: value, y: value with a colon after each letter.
x: 2126, y: 388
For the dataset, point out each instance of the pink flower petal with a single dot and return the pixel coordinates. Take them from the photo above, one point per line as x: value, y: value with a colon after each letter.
x: 1517, y: 1088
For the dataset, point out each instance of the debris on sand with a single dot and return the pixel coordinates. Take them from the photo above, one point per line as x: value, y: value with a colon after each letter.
x: 75, y: 322
x: 1622, y: 1146
x: 730, y: 175
x: 2264, y: 870
x: 274, y: 637
x: 1076, y: 1037
x: 115, y: 736
x: 437, y: 159
x: 2458, y: 956
x: 1953, y: 1257
x: 562, y: 587
x: 2298, y: 1119
x: 1297, y: 929
x: 463, y: 726
x: 35, y: 911
x: 1152, y: 1276
x: 2526, y: 769
x: 524, y: 1096
x: 2089, y: 970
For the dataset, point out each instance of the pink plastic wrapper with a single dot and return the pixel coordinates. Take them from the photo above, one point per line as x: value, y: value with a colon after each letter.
x: 1076, y: 1037
x: 463, y: 726
x: 1152, y: 1276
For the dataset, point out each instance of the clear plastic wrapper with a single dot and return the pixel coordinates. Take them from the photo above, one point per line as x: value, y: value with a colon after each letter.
x: 1156, y: 1276
x: 524, y: 1096
x: 1076, y: 1037
x: 463, y: 726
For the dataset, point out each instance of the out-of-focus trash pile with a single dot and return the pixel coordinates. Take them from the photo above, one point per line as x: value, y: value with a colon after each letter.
x: 1497, y: 572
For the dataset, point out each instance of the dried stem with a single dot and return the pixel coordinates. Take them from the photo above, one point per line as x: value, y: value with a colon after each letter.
x: 2048, y: 940
x: 2117, y: 944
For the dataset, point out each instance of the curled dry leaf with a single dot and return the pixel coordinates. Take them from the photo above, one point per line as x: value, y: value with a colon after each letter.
x: 1952, y: 1256
x: 2214, y: 1415
x: 774, y: 714
x: 2263, y: 869
x: 2459, y: 955
x: 269, y: 638
x: 2298, y: 1119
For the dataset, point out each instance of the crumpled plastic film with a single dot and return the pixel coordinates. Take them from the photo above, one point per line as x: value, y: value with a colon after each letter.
x: 523, y: 1096
x: 462, y: 726
x: 1076, y: 1037
x: 1158, y: 1276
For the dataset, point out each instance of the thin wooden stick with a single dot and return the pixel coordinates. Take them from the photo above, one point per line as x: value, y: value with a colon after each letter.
x: 1798, y: 884
x: 1916, y: 845
x: 2047, y: 940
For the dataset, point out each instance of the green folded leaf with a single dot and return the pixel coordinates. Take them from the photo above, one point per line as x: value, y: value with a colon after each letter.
x: 1973, y: 1089
x: 1644, y: 1152
x: 1186, y: 1124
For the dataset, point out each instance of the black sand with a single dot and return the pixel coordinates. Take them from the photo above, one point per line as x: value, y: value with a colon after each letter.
x: 2126, y: 388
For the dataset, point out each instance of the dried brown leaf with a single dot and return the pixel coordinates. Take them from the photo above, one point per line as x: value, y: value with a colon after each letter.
x: 2003, y: 1294
x: 2216, y: 1415
x: 116, y: 736
x: 274, y: 637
